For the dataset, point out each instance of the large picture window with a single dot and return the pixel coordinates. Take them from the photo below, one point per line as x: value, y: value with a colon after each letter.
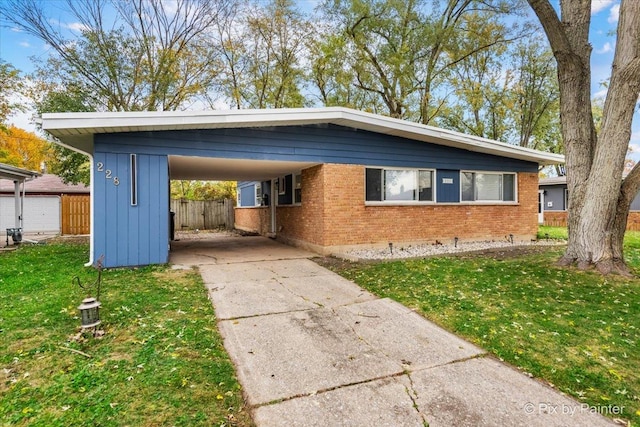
x: 488, y: 187
x: 399, y: 185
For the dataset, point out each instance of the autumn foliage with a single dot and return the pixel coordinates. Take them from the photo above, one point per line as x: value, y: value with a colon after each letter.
x: 24, y: 149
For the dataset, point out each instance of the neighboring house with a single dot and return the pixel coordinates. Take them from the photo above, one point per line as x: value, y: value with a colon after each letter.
x: 554, y: 198
x: 330, y: 178
x: 50, y: 206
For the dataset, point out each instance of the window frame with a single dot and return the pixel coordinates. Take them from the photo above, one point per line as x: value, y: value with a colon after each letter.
x: 502, y: 189
x: 415, y: 201
x: 294, y: 187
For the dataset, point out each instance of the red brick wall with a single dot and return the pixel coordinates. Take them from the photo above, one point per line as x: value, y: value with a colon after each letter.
x: 354, y: 223
x: 333, y: 213
x: 252, y: 219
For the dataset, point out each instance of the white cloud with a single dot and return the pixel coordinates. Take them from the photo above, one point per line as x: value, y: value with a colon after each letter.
x: 16, y: 30
x: 24, y: 44
x: 614, y: 14
x: 605, y: 49
x: 601, y: 94
x: 598, y: 5
x: 76, y: 26
x: 73, y: 26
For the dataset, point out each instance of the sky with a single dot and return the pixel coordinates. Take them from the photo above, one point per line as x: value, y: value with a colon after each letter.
x: 17, y: 48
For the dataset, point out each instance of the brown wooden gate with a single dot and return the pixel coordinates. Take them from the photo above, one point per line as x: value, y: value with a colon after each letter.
x: 76, y: 214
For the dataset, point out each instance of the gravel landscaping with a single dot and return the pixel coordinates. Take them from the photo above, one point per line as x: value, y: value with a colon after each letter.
x: 426, y: 250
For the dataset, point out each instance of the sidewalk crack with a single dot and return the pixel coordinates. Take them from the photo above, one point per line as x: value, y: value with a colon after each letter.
x: 413, y: 395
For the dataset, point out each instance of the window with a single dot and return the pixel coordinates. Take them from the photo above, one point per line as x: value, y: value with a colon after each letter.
x: 488, y: 187
x: 258, y: 194
x: 297, y: 188
x: 134, y: 179
x: 399, y: 185
x: 282, y: 187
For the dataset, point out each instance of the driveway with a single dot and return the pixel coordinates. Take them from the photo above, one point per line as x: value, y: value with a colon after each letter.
x: 313, y: 349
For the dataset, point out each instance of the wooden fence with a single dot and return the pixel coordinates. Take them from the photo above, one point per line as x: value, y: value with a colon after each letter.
x: 76, y: 214
x: 202, y: 214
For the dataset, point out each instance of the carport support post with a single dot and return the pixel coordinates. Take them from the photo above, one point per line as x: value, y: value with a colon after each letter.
x: 17, y: 204
x: 272, y: 208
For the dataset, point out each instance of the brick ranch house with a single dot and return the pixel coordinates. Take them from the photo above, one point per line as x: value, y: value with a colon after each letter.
x: 555, y: 196
x: 329, y: 178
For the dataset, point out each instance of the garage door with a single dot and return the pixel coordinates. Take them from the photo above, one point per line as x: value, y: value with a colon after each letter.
x: 41, y: 214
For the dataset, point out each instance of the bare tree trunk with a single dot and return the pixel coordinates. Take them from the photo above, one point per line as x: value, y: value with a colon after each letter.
x: 599, y: 200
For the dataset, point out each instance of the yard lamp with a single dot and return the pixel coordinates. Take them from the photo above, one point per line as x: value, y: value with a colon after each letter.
x: 89, y: 313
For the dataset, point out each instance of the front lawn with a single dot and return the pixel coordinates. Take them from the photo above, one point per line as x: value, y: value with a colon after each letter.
x: 160, y: 361
x: 577, y: 330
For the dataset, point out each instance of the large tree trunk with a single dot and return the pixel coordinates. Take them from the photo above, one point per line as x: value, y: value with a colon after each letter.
x: 599, y: 200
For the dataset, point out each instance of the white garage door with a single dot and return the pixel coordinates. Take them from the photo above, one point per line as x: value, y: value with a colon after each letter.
x: 41, y: 214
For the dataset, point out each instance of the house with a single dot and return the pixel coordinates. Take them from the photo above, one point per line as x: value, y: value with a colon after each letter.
x: 555, y: 201
x: 329, y: 178
x: 50, y: 205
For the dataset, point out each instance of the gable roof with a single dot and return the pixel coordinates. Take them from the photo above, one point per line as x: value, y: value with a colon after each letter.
x: 46, y: 184
x: 76, y: 130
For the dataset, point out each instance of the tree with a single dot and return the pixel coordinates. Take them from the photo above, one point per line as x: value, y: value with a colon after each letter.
x: 11, y: 86
x: 536, y: 94
x: 401, y: 52
x: 23, y: 149
x: 151, y: 57
x: 599, y: 198
x: 480, y: 82
x: 386, y: 40
x: 73, y: 167
x: 203, y: 190
x: 262, y: 49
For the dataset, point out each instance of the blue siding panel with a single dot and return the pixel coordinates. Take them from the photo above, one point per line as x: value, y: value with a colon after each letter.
x: 313, y: 143
x: 131, y: 235
x: 447, y: 192
x: 248, y: 195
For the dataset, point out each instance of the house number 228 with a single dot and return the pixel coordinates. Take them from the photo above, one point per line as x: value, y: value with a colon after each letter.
x: 107, y: 173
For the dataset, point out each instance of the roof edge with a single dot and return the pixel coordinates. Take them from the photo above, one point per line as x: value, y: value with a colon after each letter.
x: 73, y: 127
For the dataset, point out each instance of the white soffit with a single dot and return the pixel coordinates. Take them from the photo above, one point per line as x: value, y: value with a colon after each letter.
x: 77, y: 129
x: 218, y: 169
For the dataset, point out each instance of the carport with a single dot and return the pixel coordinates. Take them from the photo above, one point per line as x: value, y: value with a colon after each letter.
x: 19, y: 177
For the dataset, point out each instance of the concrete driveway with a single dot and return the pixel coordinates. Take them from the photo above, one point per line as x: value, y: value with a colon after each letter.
x: 314, y: 349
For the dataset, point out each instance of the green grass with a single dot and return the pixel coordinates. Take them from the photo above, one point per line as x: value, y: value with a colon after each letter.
x: 160, y: 361
x: 559, y: 233
x: 577, y: 330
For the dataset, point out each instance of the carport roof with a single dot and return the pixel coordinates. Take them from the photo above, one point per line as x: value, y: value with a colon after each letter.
x: 16, y: 174
x: 76, y: 130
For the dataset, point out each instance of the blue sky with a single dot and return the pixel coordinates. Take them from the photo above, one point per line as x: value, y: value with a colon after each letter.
x: 18, y: 47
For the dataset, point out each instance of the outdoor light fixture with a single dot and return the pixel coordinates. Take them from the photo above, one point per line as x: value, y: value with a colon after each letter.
x: 391, y: 248
x: 90, y: 307
x: 455, y: 242
x: 511, y: 238
x: 89, y: 313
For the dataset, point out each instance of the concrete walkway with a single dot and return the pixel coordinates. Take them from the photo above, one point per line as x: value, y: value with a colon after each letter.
x: 314, y: 349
